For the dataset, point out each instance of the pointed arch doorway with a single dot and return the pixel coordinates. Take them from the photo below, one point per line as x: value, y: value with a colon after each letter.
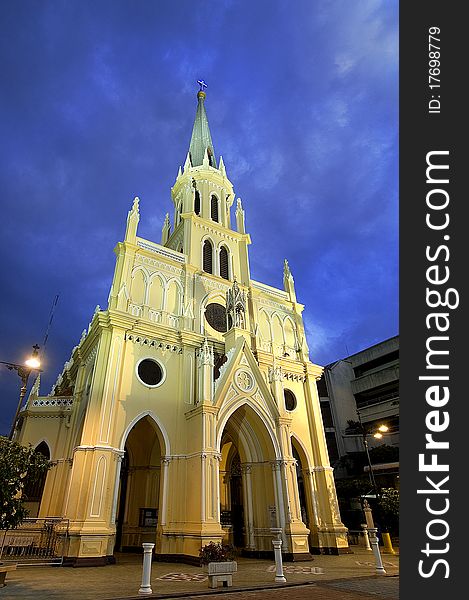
x: 251, y: 500
x: 34, y: 488
x: 140, y: 488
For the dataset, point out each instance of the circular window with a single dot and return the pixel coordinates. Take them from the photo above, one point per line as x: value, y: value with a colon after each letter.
x: 290, y: 400
x: 216, y: 316
x: 150, y: 372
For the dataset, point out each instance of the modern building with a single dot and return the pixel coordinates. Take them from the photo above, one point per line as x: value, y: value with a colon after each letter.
x: 189, y: 412
x: 363, y: 386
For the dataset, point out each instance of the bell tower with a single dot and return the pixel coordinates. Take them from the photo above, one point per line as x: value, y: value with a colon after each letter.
x: 202, y: 196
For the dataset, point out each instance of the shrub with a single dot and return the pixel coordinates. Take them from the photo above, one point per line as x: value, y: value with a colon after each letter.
x: 17, y: 465
x: 215, y: 553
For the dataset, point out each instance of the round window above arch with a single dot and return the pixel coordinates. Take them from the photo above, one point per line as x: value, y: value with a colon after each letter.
x: 150, y: 372
x: 215, y: 314
x: 290, y: 400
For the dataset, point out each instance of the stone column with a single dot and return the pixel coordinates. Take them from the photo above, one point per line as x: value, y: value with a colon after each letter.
x: 279, y: 497
x: 119, y: 459
x: 246, y: 471
x: 164, y: 493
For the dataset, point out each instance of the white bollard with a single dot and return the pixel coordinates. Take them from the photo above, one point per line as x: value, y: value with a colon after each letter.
x: 145, y: 588
x: 365, y: 537
x: 279, y: 576
x: 374, y: 545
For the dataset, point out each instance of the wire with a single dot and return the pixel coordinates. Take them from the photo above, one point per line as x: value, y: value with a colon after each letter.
x: 51, y: 317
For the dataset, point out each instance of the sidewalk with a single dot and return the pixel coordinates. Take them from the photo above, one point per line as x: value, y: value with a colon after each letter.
x: 170, y: 580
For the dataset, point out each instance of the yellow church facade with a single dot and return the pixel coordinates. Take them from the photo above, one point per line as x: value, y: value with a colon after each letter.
x: 188, y: 412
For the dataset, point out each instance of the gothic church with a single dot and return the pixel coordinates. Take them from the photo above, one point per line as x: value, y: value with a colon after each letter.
x: 188, y: 412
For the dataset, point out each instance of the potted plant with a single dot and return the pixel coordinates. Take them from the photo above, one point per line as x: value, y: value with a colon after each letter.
x: 220, y: 564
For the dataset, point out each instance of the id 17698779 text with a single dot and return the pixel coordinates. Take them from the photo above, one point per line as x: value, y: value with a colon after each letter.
x: 434, y: 63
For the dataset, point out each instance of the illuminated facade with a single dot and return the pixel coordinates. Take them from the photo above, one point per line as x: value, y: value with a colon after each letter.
x: 189, y: 412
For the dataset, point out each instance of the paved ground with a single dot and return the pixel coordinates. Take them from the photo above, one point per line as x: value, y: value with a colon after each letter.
x: 365, y: 589
x: 346, y: 577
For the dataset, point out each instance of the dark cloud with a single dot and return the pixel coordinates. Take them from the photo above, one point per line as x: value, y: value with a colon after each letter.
x: 97, y: 105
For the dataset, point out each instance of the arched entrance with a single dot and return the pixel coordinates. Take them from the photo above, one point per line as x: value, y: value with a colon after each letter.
x: 139, y: 496
x: 249, y: 486
x: 34, y: 487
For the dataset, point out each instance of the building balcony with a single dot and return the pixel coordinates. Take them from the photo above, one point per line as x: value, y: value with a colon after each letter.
x: 375, y: 380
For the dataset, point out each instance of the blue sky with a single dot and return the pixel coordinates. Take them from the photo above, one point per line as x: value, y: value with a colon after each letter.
x: 97, y: 104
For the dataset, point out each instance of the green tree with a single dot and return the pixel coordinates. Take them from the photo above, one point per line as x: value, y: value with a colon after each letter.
x: 389, y: 503
x: 18, y: 464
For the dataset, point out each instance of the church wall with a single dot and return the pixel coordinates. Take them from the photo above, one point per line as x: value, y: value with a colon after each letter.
x: 174, y: 430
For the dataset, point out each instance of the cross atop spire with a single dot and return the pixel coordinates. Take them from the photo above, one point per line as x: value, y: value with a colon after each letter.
x: 202, y: 84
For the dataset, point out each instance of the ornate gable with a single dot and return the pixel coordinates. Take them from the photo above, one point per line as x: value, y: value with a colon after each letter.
x: 242, y: 380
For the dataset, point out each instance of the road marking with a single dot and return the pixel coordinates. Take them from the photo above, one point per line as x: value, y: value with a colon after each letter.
x: 184, y: 577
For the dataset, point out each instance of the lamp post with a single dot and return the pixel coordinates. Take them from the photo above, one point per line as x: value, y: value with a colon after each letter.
x: 378, y: 434
x: 24, y: 371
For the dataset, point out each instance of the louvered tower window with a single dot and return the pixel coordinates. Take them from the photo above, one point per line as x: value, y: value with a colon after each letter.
x: 210, y: 157
x: 197, y: 203
x: 224, y: 269
x: 214, y: 208
x: 207, y: 257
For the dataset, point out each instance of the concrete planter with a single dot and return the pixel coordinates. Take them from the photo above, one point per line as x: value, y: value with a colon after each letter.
x: 221, y: 572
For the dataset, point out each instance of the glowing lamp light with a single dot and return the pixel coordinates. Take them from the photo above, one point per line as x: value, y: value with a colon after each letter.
x: 33, y: 363
x: 383, y: 428
x: 378, y: 435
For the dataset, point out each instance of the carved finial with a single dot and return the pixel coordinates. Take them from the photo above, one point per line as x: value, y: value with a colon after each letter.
x: 221, y: 166
x: 133, y: 218
x: 240, y: 226
x: 288, y: 282
x: 165, y: 231
x: 187, y: 164
x: 236, y: 306
x: 205, y: 354
x: 34, y: 393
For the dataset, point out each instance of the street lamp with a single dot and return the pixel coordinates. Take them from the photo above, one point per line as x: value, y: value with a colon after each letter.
x: 24, y: 371
x: 381, y: 429
x: 378, y: 435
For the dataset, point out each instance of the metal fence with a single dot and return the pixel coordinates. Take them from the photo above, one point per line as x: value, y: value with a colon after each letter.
x: 35, y: 542
x: 356, y: 537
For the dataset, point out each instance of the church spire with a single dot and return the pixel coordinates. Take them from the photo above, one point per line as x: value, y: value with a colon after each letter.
x: 201, y: 140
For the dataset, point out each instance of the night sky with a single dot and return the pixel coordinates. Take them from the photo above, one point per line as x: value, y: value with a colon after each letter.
x: 97, y: 104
